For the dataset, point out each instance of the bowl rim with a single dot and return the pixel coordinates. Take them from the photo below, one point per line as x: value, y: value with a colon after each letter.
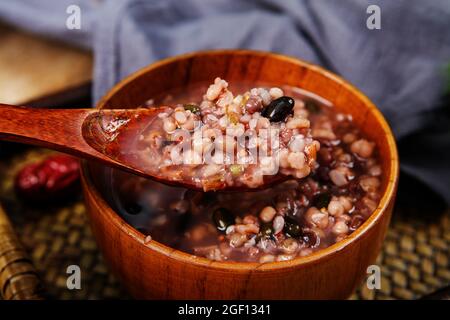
x: 315, y: 257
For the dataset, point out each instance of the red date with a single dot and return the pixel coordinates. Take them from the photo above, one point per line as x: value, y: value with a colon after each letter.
x: 53, y: 179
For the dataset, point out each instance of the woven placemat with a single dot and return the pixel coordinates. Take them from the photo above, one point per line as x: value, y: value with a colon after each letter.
x: 414, y: 260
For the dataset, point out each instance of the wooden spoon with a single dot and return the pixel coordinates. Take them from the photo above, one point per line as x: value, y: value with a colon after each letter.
x: 85, y: 133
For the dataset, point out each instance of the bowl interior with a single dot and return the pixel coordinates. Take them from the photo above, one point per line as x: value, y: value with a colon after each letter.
x: 254, y: 67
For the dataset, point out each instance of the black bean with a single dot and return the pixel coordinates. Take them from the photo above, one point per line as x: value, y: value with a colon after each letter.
x: 291, y: 227
x: 322, y: 200
x: 278, y: 109
x: 222, y: 218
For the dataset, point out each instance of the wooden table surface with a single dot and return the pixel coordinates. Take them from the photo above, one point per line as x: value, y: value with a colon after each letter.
x: 33, y: 68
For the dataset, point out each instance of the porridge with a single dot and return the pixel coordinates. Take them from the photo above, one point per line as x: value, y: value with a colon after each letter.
x: 223, y: 140
x: 333, y: 187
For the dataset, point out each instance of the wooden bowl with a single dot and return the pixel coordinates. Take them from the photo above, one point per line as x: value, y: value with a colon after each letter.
x: 154, y: 270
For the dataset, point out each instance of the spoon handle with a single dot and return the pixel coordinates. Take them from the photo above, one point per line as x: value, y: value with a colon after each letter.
x: 57, y: 129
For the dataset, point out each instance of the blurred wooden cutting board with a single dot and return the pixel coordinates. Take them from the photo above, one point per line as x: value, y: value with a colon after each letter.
x: 33, y: 68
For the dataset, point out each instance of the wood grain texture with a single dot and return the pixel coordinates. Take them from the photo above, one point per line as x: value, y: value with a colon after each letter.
x: 79, y: 132
x: 58, y: 129
x: 18, y: 277
x: 154, y: 270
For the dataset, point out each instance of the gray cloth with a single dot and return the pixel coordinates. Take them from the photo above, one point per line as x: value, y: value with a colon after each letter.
x: 400, y: 67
